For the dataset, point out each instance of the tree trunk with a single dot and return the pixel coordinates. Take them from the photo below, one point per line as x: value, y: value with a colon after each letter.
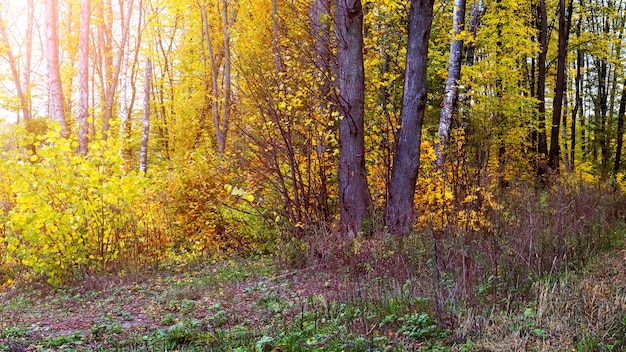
x: 145, y: 132
x: 24, y: 106
x: 26, y: 70
x: 223, y: 127
x: 477, y: 8
x: 112, y: 85
x: 542, y: 142
x: 83, y: 75
x: 354, y: 197
x: 406, y: 161
x: 577, y: 106
x: 57, y: 110
x: 557, y: 103
x: 319, y: 13
x: 620, y: 131
x: 454, y: 73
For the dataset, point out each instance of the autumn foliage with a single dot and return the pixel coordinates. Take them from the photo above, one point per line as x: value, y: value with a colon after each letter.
x: 242, y: 111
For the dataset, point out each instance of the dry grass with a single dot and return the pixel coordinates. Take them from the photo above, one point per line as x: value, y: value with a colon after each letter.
x: 582, y: 312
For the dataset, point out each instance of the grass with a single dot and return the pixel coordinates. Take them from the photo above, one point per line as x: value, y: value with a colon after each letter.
x: 513, y: 286
x: 267, y: 308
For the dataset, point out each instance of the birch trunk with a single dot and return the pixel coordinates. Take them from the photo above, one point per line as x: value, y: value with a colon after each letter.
x: 83, y: 75
x: 57, y: 110
x: 451, y: 89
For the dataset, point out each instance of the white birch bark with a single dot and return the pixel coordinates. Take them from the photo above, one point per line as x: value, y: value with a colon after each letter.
x: 57, y: 110
x: 83, y: 75
x: 451, y: 89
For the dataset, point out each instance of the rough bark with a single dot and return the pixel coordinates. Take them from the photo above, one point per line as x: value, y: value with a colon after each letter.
x: 557, y: 102
x: 354, y: 196
x: 57, y: 109
x: 406, y: 161
x: 145, y: 132
x: 450, y: 93
x: 83, y: 75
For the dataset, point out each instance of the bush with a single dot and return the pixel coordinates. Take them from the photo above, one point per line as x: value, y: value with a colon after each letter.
x: 74, y: 213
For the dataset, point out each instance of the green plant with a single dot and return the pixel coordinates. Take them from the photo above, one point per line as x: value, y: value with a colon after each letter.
x: 420, y: 327
x: 168, y: 319
x: 64, y: 341
x: 184, y: 333
x: 100, y: 329
x: 588, y: 343
x: 15, y: 332
x: 265, y: 344
x: 74, y: 213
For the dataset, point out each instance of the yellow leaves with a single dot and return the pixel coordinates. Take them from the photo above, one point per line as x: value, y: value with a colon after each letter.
x: 238, y: 192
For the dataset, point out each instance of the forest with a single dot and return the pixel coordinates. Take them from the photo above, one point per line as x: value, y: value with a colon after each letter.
x: 312, y: 175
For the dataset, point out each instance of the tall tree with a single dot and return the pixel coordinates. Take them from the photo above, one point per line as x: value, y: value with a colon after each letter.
x: 113, y: 82
x: 24, y: 106
x: 451, y: 89
x: 620, y: 132
x: 57, y: 109
x: 83, y: 75
x: 542, y: 141
x: 406, y: 161
x: 554, y: 156
x: 222, y: 129
x: 354, y: 197
x: 220, y: 63
x: 145, y: 131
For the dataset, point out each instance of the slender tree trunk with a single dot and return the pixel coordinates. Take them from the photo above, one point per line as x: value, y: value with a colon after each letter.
x: 126, y: 123
x: 275, y: 40
x: 477, y: 8
x: 354, y: 197
x: 112, y: 87
x: 145, y: 132
x: 542, y: 142
x: 83, y: 75
x: 57, y: 109
x: 557, y: 106
x: 319, y: 13
x: 14, y: 72
x: 620, y: 132
x: 26, y: 75
x: 406, y: 161
x: 213, y: 62
x: 227, y: 81
x: 454, y: 73
x: 577, y: 106
x: 320, y: 30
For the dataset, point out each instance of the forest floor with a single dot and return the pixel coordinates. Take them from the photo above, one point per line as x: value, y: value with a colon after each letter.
x: 256, y: 305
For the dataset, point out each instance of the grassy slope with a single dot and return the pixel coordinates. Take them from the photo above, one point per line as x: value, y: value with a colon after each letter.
x: 255, y: 305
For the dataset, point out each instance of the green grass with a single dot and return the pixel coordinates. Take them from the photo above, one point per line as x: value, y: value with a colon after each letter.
x: 256, y: 305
